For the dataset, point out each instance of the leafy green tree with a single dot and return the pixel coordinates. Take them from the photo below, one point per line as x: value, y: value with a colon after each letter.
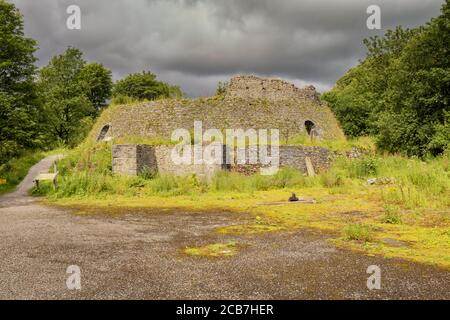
x: 400, y: 92
x: 144, y: 86
x: 72, y: 92
x: 419, y: 90
x: 99, y: 84
x: 441, y: 138
x: 19, y: 108
x: 359, y: 95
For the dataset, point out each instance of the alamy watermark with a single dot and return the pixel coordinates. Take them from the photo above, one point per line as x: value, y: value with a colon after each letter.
x: 227, y: 147
x: 73, y: 22
x: 374, y: 281
x: 373, y: 22
x: 73, y: 282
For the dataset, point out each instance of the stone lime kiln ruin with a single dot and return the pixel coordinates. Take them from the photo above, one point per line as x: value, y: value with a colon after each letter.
x: 248, y: 102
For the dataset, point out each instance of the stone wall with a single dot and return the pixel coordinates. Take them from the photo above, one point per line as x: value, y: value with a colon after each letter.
x: 129, y: 159
x: 132, y: 159
x: 294, y: 156
x: 266, y: 104
x: 252, y: 87
x: 165, y: 165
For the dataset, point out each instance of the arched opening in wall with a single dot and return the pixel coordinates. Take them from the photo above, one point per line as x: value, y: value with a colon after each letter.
x: 105, y: 133
x: 310, y: 128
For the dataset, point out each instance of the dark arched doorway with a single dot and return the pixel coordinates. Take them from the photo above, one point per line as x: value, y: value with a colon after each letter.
x: 104, y: 133
x: 310, y: 127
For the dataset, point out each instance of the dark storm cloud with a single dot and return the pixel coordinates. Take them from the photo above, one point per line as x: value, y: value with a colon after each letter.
x: 196, y: 43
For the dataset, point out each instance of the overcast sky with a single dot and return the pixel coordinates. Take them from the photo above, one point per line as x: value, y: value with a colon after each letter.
x: 196, y: 43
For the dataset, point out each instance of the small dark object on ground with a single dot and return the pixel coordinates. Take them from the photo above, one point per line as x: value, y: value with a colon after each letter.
x: 293, y: 198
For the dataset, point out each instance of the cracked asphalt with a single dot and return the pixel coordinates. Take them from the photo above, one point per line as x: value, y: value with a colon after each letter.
x: 137, y: 255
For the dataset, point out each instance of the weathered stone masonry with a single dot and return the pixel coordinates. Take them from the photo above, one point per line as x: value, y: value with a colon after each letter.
x: 249, y: 102
x: 132, y: 159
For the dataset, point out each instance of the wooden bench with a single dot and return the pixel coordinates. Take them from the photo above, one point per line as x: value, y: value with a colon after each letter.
x: 53, y: 177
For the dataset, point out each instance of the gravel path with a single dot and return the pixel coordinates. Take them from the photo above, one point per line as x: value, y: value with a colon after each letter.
x: 20, y: 195
x: 137, y: 255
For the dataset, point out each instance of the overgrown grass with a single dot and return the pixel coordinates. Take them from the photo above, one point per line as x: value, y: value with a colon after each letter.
x: 284, y: 178
x: 411, y: 183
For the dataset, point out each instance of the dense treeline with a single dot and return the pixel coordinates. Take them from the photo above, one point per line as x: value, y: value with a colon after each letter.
x: 400, y: 92
x: 56, y: 105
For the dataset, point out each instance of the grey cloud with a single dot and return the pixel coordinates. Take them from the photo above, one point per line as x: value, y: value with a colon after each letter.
x: 195, y: 43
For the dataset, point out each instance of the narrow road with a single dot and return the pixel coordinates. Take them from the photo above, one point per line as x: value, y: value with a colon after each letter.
x: 136, y: 254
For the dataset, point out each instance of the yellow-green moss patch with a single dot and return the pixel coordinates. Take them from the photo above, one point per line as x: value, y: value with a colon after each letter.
x: 213, y: 250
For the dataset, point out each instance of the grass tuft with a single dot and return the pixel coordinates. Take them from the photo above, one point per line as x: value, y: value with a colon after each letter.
x: 359, y: 232
x: 392, y: 215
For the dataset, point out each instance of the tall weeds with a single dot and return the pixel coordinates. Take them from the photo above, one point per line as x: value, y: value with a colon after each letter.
x: 413, y: 183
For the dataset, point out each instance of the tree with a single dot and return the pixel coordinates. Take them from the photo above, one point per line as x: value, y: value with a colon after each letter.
x: 19, y: 108
x: 99, y: 84
x: 72, y: 92
x: 400, y: 92
x: 419, y: 91
x: 144, y: 86
x: 359, y: 95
